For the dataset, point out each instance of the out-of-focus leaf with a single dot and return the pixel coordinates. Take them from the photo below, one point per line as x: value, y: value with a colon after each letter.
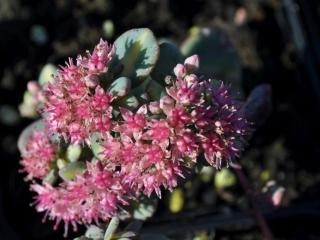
x: 144, y: 210
x: 96, y: 145
x: 206, y: 173
x: 112, y: 227
x: 52, y: 177
x: 258, y: 106
x: 73, y: 152
x: 8, y: 115
x: 27, y: 132
x: 70, y: 171
x: 94, y: 232
x: 218, y: 58
x: 176, y: 200
x: 120, y: 87
x: 224, y: 178
x: 169, y: 57
x: 47, y: 73
x: 108, y: 29
x: 39, y: 34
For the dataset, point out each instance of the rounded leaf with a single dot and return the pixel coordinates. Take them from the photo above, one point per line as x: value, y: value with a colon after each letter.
x: 130, y: 102
x: 96, y: 146
x: 169, y: 57
x: 47, y: 73
x: 73, y: 152
x: 258, y: 106
x: 70, y: 171
x: 51, y: 177
x: 94, y: 232
x: 27, y: 132
x: 224, y: 178
x: 137, y: 51
x: 218, y: 58
x: 155, y: 90
x: 112, y: 227
x: 120, y: 87
x: 144, y: 208
x: 108, y: 29
x: 176, y: 200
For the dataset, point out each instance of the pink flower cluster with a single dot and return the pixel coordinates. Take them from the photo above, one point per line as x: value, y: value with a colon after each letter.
x: 156, y: 144
x: 76, y: 105
x: 92, y: 196
x: 143, y: 151
x: 38, y: 156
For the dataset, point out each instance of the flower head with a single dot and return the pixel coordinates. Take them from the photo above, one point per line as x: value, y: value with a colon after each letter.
x: 73, y: 109
x: 40, y: 152
x: 93, y: 196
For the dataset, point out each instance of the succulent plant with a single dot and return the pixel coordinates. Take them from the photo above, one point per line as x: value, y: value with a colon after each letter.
x: 126, y: 120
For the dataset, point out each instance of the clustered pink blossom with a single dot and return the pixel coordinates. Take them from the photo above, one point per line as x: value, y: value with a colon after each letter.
x: 76, y: 105
x: 143, y: 151
x: 38, y: 155
x: 197, y: 120
x: 92, y: 196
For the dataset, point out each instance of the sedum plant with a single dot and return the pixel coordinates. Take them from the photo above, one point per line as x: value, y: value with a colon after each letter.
x: 124, y: 122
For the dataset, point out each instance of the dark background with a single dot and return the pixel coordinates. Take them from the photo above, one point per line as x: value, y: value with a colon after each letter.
x: 278, y: 44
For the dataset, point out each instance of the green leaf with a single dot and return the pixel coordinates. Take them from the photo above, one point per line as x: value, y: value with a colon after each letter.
x: 47, y: 73
x: 8, y: 115
x: 70, y: 171
x: 73, y: 152
x: 96, y: 146
x: 224, y: 178
x: 94, y: 232
x: 112, y: 227
x: 169, y: 57
x: 108, y: 29
x: 28, y: 108
x: 206, y: 174
x: 176, y: 200
x: 130, y: 102
x: 137, y: 51
x: 120, y: 87
x: 27, y: 132
x: 61, y: 163
x: 218, y: 58
x: 258, y: 106
x: 51, y: 177
x: 144, y: 209
x: 155, y: 90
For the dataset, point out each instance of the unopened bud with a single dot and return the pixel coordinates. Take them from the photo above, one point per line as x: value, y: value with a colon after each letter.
x: 33, y: 87
x: 191, y: 63
x: 166, y: 104
x: 191, y: 79
x: 154, y: 107
x: 179, y: 71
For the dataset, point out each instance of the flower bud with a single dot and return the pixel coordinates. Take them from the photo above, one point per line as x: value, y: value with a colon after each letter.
x: 191, y: 63
x: 154, y: 107
x: 191, y: 79
x: 166, y: 104
x: 33, y: 87
x: 179, y: 71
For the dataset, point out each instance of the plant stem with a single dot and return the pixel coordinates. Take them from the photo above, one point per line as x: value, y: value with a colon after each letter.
x: 258, y: 214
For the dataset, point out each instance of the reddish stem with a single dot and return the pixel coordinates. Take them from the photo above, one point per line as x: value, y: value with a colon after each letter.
x: 258, y: 215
